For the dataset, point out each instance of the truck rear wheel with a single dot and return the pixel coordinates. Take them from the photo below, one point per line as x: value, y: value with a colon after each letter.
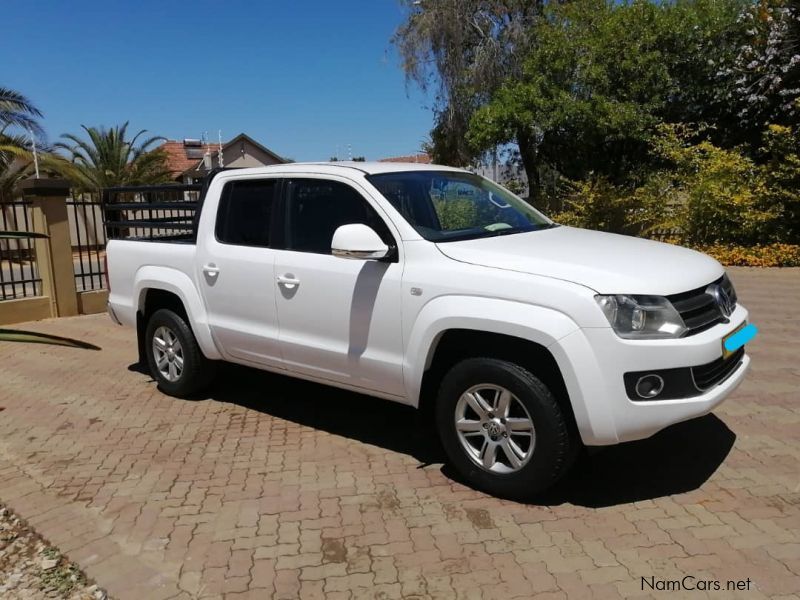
x: 502, y: 428
x: 174, y: 356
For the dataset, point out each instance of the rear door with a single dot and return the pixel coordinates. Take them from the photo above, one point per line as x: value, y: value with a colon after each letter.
x: 237, y: 279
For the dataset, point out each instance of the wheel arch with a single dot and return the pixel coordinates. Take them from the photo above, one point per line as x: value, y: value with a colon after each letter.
x: 455, y: 345
x: 159, y: 287
x: 452, y: 328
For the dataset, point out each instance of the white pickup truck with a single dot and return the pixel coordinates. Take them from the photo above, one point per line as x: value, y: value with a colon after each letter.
x: 437, y: 288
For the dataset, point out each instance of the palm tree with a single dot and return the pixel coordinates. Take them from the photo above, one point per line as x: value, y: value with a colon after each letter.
x: 107, y: 158
x: 17, y: 111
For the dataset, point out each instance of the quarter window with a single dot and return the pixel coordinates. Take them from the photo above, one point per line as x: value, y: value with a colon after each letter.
x: 245, y: 212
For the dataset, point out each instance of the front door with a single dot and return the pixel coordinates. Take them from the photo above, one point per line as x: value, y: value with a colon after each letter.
x: 237, y: 276
x: 339, y: 318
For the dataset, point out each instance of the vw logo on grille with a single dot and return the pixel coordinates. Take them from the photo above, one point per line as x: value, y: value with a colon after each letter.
x: 721, y: 298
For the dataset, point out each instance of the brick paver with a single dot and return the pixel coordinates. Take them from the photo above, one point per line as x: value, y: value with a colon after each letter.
x: 276, y: 487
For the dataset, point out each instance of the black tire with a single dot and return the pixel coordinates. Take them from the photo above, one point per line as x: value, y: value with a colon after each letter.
x: 197, y: 371
x: 554, y: 446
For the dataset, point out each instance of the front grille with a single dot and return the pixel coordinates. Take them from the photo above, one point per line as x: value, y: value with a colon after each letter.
x: 714, y: 373
x: 698, y: 309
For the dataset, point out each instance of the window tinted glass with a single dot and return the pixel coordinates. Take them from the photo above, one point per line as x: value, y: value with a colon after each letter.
x: 450, y: 205
x: 245, y: 212
x: 317, y: 207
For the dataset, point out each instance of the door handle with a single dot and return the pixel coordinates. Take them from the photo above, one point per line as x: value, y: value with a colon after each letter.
x: 211, y: 270
x: 288, y: 280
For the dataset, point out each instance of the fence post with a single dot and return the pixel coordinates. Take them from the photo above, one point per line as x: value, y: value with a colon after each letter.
x: 54, y: 254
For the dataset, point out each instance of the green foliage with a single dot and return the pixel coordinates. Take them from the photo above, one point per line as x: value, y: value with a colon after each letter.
x: 780, y: 181
x: 702, y: 195
x: 18, y: 111
x: 463, y: 50
x: 108, y: 158
x: 589, y: 89
x: 769, y: 255
x: 596, y: 203
x: 712, y: 194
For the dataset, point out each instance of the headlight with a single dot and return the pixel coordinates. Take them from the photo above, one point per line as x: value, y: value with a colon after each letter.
x: 642, y: 317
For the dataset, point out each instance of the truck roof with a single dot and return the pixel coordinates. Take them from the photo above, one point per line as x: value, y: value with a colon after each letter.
x: 368, y: 168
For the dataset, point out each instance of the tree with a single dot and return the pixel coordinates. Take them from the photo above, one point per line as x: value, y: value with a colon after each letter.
x: 18, y: 111
x: 107, y: 158
x: 14, y: 163
x: 585, y: 99
x: 765, y: 74
x: 599, y: 76
x: 464, y: 50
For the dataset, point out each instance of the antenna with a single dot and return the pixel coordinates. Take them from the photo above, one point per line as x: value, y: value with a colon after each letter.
x: 219, y: 154
x: 33, y: 149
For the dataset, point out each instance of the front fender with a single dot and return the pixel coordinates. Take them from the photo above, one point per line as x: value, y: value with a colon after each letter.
x: 177, y: 282
x: 543, y: 326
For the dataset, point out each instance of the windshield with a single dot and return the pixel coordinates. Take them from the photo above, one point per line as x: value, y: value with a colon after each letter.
x: 445, y: 206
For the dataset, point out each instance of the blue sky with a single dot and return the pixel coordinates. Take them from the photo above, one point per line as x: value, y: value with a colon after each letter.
x: 300, y: 77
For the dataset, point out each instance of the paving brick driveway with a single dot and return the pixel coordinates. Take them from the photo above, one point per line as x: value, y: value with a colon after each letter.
x: 277, y: 487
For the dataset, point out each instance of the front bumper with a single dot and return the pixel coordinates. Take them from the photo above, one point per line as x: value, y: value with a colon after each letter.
x: 593, y: 362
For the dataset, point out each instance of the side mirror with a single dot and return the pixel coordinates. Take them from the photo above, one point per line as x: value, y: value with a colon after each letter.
x: 358, y: 241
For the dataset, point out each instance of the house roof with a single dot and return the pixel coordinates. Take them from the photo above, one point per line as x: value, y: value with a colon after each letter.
x: 421, y: 158
x: 178, y: 160
x: 247, y: 138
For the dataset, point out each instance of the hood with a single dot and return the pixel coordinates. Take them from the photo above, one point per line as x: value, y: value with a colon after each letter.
x: 605, y: 262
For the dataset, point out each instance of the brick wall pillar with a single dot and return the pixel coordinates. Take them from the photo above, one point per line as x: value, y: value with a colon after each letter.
x: 54, y: 254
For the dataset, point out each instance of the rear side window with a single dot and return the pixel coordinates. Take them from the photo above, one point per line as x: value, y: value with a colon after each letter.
x: 317, y: 207
x: 244, y: 217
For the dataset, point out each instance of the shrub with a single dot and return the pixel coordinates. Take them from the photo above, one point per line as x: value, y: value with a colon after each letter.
x: 780, y: 181
x: 711, y: 194
x: 771, y: 255
x: 599, y: 204
x: 702, y: 195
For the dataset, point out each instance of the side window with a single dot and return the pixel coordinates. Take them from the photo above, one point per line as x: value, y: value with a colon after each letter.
x: 317, y: 207
x: 245, y: 212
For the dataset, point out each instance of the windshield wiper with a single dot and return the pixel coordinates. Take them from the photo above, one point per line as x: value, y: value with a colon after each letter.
x: 483, y: 234
x: 506, y: 231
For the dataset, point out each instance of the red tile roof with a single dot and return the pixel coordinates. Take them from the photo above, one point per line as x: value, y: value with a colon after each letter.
x: 422, y: 157
x: 178, y: 161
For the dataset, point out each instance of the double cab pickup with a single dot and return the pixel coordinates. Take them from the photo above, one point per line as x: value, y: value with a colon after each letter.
x: 521, y: 339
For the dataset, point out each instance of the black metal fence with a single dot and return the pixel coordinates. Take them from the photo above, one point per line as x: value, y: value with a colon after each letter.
x: 19, y: 275
x: 85, y: 213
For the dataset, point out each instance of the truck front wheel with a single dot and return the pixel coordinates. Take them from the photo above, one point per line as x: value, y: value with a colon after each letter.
x: 502, y: 428
x: 174, y: 357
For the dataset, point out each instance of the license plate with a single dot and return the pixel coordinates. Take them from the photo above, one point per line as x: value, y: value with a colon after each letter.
x: 725, y: 352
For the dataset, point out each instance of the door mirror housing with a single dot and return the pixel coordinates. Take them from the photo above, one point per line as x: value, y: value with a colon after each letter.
x: 359, y: 241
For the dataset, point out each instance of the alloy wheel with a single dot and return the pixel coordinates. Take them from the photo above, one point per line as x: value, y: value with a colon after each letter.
x: 168, y: 353
x: 494, y: 428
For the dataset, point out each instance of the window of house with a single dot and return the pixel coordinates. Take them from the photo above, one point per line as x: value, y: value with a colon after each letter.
x: 317, y: 207
x: 245, y: 212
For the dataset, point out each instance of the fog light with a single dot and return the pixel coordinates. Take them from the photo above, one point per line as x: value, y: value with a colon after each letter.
x: 649, y: 386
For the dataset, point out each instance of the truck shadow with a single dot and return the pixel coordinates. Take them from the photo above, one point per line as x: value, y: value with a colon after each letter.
x: 679, y: 459
x: 676, y: 460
